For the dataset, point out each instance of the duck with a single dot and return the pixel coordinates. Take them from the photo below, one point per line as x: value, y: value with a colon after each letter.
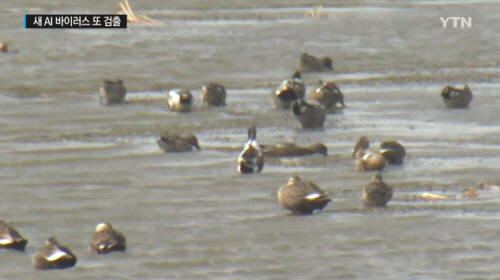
x: 3, y: 47
x: 456, y: 96
x: 213, y: 94
x: 487, y: 186
x: 393, y: 152
x: 54, y: 256
x: 106, y: 239
x: 309, y: 63
x: 10, y: 238
x: 293, y: 150
x: 362, y: 144
x: 180, y: 100
x: 112, y: 92
x: 309, y: 115
x: 175, y: 143
x: 251, y: 157
x: 365, y: 158
x: 302, y: 197
x: 289, y: 91
x: 328, y: 95
x: 376, y: 193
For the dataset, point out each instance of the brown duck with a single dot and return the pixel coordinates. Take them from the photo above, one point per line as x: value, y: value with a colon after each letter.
x: 289, y: 91
x: 457, y: 96
x: 376, y: 193
x: 302, y: 197
x: 112, y: 92
x: 175, y: 143
x: 365, y: 158
x: 213, y: 94
x: 328, y: 95
x: 106, y: 239
x: 10, y: 238
x: 309, y: 63
x: 309, y: 115
x: 393, y: 152
x: 293, y: 150
x: 54, y: 256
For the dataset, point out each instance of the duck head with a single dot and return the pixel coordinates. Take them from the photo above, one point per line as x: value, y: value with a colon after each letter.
x: 191, y: 139
x: 327, y: 63
x: 377, y: 177
x: 297, y: 76
x: 213, y: 94
x: 51, y: 241
x: 319, y: 148
x: 293, y: 180
x: 252, y: 133
x: 299, y: 107
x: 103, y: 227
x: 362, y: 144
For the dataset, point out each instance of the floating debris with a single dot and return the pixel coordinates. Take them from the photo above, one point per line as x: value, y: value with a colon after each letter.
x: 125, y: 8
x: 315, y: 12
x: 430, y: 196
x: 470, y: 193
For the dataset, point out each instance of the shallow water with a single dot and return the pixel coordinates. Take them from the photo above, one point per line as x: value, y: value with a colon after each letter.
x: 67, y: 163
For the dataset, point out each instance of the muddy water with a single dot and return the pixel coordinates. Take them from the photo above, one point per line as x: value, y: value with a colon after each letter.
x: 66, y: 163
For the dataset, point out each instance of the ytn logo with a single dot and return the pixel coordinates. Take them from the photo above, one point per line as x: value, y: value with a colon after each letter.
x: 463, y: 21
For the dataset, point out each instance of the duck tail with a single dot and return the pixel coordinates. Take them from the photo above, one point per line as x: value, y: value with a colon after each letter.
x: 325, y: 197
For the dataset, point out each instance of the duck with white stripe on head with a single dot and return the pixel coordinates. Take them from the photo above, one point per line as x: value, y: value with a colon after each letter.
x: 251, y: 157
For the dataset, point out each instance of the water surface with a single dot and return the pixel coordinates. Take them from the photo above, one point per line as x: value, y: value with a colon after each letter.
x: 67, y: 163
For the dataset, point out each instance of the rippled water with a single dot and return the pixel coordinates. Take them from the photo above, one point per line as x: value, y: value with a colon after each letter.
x: 66, y: 163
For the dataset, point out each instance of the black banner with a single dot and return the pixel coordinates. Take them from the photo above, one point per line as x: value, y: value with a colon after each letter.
x: 75, y: 21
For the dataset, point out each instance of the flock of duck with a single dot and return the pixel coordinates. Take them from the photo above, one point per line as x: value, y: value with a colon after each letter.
x: 104, y: 240
x: 298, y: 196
